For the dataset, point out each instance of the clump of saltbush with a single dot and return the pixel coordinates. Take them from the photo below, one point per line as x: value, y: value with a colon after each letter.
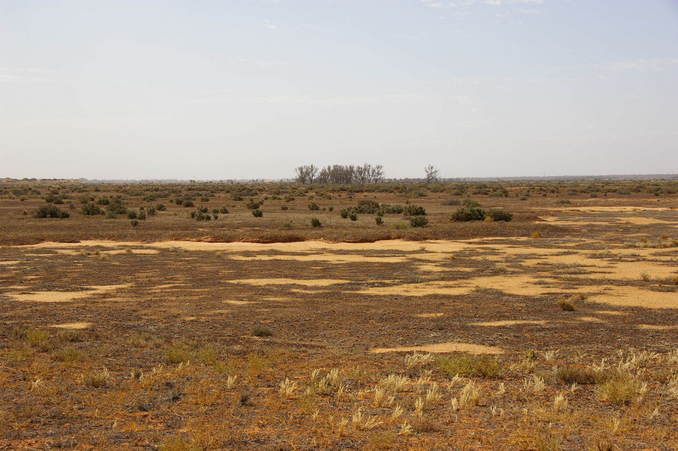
x: 418, y: 221
x: 50, y: 211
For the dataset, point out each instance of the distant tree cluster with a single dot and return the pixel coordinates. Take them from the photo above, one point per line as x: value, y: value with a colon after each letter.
x: 340, y: 174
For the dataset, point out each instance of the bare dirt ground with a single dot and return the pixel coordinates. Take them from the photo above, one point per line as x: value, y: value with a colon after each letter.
x: 557, y: 330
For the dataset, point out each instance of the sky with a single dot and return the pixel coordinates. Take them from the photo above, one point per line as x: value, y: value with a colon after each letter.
x: 250, y: 89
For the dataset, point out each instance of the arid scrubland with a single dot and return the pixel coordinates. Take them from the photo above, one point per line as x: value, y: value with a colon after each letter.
x: 195, y: 316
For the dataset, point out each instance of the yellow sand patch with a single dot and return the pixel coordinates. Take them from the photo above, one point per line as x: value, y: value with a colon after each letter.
x: 132, y: 251
x: 590, y: 319
x: 168, y: 285
x: 610, y: 312
x: 239, y: 302
x: 643, y: 221
x: 636, y: 297
x: 189, y: 318
x: 326, y: 258
x: 508, y: 323
x: 283, y: 281
x: 218, y: 312
x: 655, y: 327
x: 603, y: 209
x: 512, y: 284
x: 67, y: 296
x: 10, y: 262
x: 429, y: 315
x: 468, y: 348
x: 82, y: 325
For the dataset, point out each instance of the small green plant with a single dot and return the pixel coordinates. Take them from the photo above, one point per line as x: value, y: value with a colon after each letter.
x: 261, y: 332
x: 257, y: 213
x: 418, y: 221
x: 353, y: 216
x: 313, y: 206
x: 134, y: 222
x: 315, y: 222
x: 379, y: 220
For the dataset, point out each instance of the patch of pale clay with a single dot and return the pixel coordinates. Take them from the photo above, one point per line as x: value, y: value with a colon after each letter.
x: 283, y: 281
x: 508, y: 323
x: 429, y: 315
x: 168, y: 285
x: 610, y: 312
x: 81, y: 325
x: 468, y: 348
x: 10, y: 262
x: 639, y: 220
x: 518, y: 284
x: 590, y: 319
x: 603, y: 209
x: 67, y: 296
x: 189, y: 318
x: 239, y: 302
x: 630, y: 296
x: 326, y: 258
x: 132, y: 251
x: 655, y: 327
x: 429, y: 267
x: 601, y: 269
x: 218, y: 312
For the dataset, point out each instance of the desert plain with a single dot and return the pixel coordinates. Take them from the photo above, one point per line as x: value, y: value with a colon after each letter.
x: 142, y: 327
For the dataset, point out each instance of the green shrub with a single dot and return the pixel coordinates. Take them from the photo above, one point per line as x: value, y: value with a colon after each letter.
x: 414, y: 210
x: 161, y: 207
x: 50, y: 211
x: 261, y: 332
x: 344, y: 213
x: 500, y: 215
x: 134, y: 222
x: 223, y: 210
x: 368, y: 207
x: 468, y: 214
x: 418, y: 221
x: 90, y: 209
x: 131, y: 214
x: 315, y: 222
x: 313, y: 206
x: 379, y: 220
x: 257, y: 213
x: 353, y: 216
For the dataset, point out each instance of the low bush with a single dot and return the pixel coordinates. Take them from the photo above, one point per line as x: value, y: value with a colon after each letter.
x: 50, y: 211
x: 418, y: 221
x: 313, y: 206
x: 469, y: 365
x: 414, y: 210
x: 90, y: 209
x: 500, y: 215
x: 468, y: 214
x: 257, y: 213
x: 315, y: 222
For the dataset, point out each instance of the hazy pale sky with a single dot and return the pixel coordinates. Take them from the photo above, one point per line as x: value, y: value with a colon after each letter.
x: 217, y: 89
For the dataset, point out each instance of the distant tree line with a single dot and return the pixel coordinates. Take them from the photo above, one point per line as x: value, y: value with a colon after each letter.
x: 340, y: 174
